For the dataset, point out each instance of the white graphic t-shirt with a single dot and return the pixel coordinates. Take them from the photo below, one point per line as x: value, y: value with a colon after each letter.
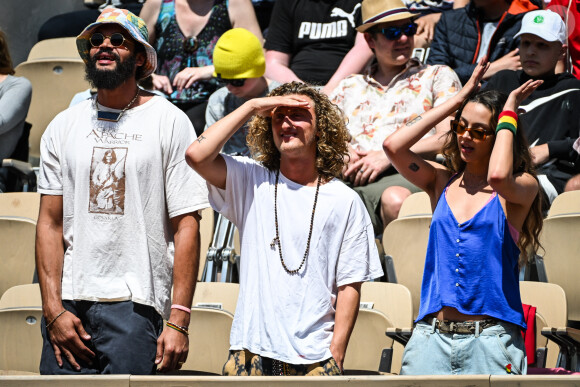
x: 121, y: 184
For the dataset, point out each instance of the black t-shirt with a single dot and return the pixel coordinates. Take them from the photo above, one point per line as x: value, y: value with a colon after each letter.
x: 316, y: 33
x: 552, y: 117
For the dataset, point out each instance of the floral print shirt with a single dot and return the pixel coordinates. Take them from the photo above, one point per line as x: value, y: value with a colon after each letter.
x: 374, y: 111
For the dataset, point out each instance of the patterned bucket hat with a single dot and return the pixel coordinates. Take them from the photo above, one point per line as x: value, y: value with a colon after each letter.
x: 133, y: 24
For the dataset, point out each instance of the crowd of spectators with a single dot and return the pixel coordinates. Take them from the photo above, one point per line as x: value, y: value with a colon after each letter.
x: 337, y: 84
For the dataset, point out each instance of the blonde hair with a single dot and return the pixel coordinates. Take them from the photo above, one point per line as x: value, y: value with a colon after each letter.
x: 331, y: 133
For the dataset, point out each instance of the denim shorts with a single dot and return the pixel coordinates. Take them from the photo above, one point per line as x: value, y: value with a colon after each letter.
x: 497, y: 350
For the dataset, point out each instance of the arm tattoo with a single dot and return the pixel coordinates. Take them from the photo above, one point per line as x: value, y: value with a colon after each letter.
x: 414, y: 120
x: 413, y: 167
x: 200, y: 138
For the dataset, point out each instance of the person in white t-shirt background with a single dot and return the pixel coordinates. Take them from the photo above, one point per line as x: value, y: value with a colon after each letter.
x: 307, y: 241
x: 119, y: 221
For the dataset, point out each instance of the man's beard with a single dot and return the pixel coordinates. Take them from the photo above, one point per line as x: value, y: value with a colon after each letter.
x: 110, y: 79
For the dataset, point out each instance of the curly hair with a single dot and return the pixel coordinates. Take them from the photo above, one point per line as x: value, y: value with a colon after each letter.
x: 331, y: 133
x: 494, y: 101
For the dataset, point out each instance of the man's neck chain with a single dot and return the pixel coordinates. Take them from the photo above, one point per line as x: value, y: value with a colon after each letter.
x: 113, y: 116
x: 276, y: 240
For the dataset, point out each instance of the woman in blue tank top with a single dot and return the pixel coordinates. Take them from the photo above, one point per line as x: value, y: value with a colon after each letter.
x: 486, y: 219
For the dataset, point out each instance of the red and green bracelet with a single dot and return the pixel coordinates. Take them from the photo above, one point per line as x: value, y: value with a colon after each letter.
x: 507, y: 120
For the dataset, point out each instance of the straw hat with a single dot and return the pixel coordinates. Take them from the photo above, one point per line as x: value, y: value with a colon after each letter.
x: 381, y: 11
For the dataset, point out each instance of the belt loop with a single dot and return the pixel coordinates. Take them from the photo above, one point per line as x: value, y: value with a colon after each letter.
x: 477, y: 329
x: 433, y: 323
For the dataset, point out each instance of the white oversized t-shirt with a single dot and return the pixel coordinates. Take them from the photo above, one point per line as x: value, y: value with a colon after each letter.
x: 279, y: 315
x: 121, y: 183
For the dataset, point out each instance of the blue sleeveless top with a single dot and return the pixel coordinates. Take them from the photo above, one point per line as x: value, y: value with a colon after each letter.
x: 472, y: 266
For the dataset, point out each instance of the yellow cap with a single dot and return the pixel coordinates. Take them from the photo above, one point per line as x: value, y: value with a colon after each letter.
x: 238, y: 54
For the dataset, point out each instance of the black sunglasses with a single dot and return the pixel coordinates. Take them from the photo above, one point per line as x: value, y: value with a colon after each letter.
x: 117, y: 39
x: 234, y: 82
x: 459, y: 128
x: 394, y: 33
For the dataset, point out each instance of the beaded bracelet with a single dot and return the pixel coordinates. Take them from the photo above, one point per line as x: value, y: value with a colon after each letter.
x: 54, y: 319
x: 508, y: 120
x: 178, y: 328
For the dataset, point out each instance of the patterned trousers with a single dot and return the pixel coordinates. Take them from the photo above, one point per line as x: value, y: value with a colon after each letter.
x: 245, y: 363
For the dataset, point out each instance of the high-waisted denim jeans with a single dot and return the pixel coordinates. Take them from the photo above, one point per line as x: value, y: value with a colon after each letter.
x: 497, y: 350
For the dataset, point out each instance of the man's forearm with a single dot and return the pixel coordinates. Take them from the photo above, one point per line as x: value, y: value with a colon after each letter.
x: 49, y: 259
x: 347, y: 305
x: 186, y: 264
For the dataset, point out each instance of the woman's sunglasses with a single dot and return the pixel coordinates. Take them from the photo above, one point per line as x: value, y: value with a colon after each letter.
x: 97, y: 39
x: 459, y: 128
x: 394, y: 33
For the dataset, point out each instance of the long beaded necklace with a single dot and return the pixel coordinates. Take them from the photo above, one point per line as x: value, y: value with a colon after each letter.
x: 113, y: 116
x: 276, y: 240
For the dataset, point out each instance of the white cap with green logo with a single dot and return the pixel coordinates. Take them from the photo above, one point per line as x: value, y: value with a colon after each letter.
x: 545, y: 24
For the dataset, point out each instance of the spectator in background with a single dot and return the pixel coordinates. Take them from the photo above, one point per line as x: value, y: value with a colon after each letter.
x: 483, y: 28
x: 184, y: 33
x: 71, y: 24
x: 569, y: 10
x: 390, y: 94
x: 551, y: 115
x: 430, y: 13
x: 15, y: 95
x: 239, y: 63
x: 308, y: 40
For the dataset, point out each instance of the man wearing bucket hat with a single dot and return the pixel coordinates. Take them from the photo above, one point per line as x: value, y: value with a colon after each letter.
x: 118, y: 222
x: 389, y: 95
x: 552, y: 112
x: 239, y: 62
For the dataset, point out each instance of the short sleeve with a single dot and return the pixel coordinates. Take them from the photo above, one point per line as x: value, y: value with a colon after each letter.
x: 280, y: 31
x: 236, y: 198
x: 445, y: 85
x: 358, y: 260
x: 185, y: 190
x: 50, y: 171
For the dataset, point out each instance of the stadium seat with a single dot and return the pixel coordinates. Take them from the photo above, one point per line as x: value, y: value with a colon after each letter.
x: 59, y: 48
x: 17, y: 238
x: 560, y: 241
x: 209, y: 340
x: 22, y: 204
x: 550, y: 301
x: 20, y: 338
x: 395, y: 302
x: 21, y: 296
x: 54, y: 83
x: 418, y: 204
x: 367, y: 342
x: 567, y: 203
x: 219, y: 295
x: 405, y: 245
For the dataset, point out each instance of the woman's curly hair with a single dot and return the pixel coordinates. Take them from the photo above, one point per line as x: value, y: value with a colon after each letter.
x: 331, y: 133
x: 494, y: 101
